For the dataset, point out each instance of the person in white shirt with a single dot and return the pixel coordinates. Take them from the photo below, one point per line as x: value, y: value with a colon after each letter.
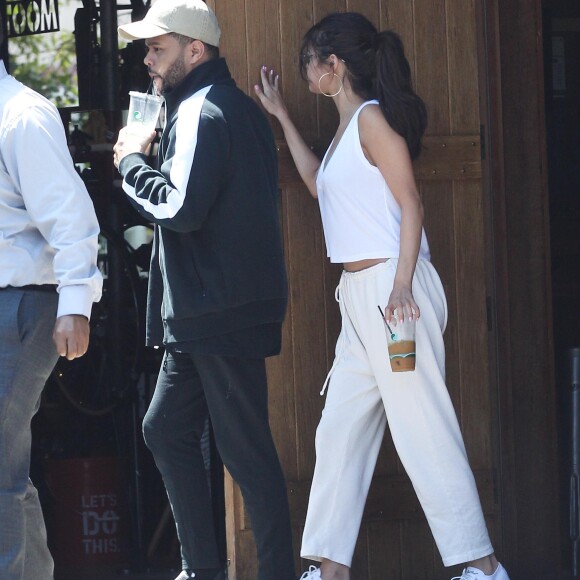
x: 48, y: 282
x: 373, y: 223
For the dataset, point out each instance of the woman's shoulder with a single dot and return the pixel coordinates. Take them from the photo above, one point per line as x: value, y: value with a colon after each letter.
x: 377, y: 136
x: 371, y: 119
x: 369, y: 108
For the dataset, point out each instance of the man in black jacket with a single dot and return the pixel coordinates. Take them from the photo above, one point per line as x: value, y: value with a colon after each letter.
x: 217, y: 287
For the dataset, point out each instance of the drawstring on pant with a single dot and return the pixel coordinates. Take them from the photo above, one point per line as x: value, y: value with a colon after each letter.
x: 327, y: 380
x: 338, y: 354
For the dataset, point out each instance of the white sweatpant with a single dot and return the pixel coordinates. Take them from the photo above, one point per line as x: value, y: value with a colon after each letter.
x: 363, y: 395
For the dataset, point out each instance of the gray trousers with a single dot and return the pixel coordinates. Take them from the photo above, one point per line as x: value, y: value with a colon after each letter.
x: 27, y: 357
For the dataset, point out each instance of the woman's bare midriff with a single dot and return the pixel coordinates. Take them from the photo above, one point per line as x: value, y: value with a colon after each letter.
x: 362, y: 264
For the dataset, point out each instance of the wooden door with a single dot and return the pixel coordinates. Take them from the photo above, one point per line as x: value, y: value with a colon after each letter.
x: 441, y: 42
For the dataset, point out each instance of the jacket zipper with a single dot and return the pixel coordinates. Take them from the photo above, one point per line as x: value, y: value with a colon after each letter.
x: 198, y: 278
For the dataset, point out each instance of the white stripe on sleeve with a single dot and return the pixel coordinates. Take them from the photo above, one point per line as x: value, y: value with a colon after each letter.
x: 186, y: 131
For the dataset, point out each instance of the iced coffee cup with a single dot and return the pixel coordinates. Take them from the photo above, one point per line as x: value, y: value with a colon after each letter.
x: 144, y: 112
x: 401, y: 344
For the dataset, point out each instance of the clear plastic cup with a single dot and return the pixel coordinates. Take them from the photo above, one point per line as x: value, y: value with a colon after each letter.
x: 401, y: 344
x: 144, y: 111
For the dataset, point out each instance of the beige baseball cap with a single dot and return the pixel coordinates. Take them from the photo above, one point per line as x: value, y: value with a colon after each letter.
x: 192, y: 18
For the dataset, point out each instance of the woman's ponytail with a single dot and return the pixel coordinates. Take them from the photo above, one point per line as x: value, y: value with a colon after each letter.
x: 402, y: 107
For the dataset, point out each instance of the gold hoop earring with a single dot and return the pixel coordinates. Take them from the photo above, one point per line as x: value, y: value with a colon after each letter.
x: 334, y: 75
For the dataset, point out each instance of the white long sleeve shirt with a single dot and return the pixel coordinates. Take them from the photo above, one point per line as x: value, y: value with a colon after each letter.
x: 48, y: 227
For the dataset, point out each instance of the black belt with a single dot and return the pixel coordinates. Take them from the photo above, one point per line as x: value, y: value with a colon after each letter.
x: 35, y: 287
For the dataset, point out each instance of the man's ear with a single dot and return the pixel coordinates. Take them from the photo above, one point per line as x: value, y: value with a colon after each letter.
x: 195, y: 51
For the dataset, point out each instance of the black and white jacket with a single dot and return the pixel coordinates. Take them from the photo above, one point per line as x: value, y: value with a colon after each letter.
x: 217, y: 262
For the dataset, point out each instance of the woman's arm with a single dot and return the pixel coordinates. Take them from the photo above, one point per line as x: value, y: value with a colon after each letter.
x: 306, y: 162
x: 386, y: 149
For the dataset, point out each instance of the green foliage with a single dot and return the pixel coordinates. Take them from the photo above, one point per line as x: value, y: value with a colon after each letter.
x: 47, y: 64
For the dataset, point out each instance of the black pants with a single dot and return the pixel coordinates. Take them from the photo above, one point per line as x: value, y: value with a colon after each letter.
x: 233, y: 391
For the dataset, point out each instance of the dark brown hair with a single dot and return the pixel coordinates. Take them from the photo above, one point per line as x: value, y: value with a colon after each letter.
x: 377, y: 69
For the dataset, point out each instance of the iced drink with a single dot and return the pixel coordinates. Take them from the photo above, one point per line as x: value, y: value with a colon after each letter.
x: 402, y: 355
x: 144, y: 111
x: 401, y: 343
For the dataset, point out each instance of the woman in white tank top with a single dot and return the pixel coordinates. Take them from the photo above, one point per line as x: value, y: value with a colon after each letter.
x: 373, y: 223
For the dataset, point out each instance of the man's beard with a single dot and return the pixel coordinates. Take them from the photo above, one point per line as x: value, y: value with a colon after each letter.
x: 174, y: 75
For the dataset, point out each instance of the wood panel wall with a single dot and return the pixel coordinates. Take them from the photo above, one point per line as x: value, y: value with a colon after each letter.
x: 526, y: 347
x: 441, y: 43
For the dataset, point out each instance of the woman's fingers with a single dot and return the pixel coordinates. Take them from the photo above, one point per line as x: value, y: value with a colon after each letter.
x: 270, y: 80
x: 267, y: 77
x: 415, y: 312
x: 400, y: 310
x: 268, y: 92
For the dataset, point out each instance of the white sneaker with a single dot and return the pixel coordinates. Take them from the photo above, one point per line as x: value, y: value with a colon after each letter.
x: 185, y: 575
x: 476, y: 574
x: 313, y: 573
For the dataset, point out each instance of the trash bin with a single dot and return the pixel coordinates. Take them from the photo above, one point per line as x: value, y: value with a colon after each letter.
x: 89, y: 524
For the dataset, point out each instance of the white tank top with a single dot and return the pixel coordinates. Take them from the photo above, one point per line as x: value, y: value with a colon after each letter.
x: 360, y: 216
